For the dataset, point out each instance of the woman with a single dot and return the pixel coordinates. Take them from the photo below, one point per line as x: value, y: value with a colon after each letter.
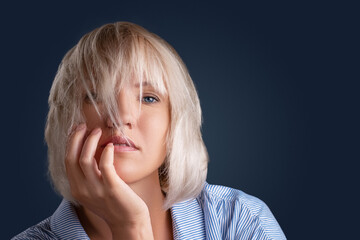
x: 126, y: 152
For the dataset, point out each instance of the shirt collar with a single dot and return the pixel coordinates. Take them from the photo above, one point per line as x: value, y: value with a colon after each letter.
x: 187, y: 220
x: 65, y: 223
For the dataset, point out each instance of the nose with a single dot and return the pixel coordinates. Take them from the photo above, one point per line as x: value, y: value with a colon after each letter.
x: 126, y: 110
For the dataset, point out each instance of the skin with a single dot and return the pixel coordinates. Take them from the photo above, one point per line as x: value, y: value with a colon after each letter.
x: 119, y: 192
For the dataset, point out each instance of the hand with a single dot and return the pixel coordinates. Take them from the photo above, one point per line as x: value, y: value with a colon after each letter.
x: 98, y: 187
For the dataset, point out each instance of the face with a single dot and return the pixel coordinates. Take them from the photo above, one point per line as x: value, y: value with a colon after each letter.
x: 147, y: 130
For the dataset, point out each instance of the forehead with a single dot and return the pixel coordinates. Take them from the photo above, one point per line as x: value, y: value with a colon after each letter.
x: 144, y: 84
x: 129, y: 83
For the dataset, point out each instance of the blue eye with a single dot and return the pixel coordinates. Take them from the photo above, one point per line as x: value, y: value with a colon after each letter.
x: 149, y: 99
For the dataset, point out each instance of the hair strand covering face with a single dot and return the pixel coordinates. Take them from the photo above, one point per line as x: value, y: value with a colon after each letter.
x: 103, y: 62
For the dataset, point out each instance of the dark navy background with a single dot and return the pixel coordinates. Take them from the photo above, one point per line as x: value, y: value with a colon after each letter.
x: 278, y: 84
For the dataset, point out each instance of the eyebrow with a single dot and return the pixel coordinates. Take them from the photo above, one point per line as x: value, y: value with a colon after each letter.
x: 144, y: 84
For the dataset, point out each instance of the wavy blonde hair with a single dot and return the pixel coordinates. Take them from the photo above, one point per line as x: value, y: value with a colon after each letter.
x: 105, y: 59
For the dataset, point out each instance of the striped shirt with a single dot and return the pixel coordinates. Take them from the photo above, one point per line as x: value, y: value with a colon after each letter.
x: 217, y: 213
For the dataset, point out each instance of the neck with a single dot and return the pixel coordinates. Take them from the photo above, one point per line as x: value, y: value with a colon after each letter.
x: 149, y: 191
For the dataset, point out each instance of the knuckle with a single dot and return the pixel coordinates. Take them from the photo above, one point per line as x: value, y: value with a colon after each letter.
x: 105, y: 167
x: 82, y: 164
x: 84, y: 161
x: 102, y: 165
x: 86, y: 155
x: 111, y: 195
x: 100, y: 194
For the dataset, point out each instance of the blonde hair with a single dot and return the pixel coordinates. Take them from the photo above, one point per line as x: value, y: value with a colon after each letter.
x: 102, y: 61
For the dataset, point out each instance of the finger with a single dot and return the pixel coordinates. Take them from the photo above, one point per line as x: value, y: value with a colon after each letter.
x: 107, y: 168
x: 87, y: 161
x: 73, y: 151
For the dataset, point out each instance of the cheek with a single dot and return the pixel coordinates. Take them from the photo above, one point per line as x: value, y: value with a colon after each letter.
x: 154, y: 127
x: 91, y: 117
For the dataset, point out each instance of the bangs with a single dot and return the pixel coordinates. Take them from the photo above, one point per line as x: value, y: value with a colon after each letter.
x: 112, y: 58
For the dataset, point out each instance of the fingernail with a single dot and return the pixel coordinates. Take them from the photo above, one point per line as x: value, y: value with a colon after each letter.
x: 96, y: 131
x: 80, y: 127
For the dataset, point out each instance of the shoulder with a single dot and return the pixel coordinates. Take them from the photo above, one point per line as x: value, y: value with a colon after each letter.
x: 217, y: 195
x: 39, y: 231
x: 237, y: 215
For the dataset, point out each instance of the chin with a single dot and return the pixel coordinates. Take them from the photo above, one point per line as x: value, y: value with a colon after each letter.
x: 128, y: 172
x: 131, y: 174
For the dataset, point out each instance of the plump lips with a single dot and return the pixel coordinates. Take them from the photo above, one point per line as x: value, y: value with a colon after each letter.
x: 119, y: 141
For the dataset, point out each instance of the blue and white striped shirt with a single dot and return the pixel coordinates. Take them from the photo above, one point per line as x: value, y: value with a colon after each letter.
x: 217, y: 213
